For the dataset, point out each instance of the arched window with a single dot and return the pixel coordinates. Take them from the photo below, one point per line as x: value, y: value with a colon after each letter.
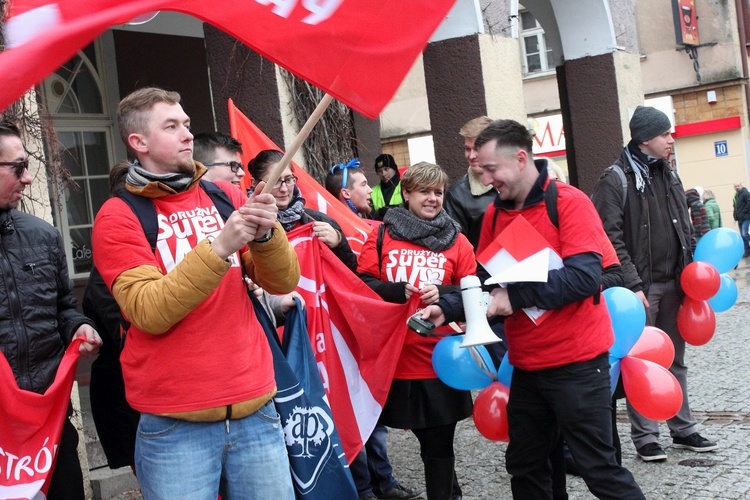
x: 76, y: 98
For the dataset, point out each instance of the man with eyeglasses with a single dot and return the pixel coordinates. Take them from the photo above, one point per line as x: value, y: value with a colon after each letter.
x: 220, y: 154
x: 38, y: 316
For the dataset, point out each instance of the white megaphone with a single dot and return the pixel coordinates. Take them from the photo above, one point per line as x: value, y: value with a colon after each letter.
x: 478, y: 331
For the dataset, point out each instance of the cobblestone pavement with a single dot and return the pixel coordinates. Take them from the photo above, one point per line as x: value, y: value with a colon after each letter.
x: 719, y: 390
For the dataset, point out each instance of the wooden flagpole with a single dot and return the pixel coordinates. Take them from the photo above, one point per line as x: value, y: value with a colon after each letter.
x: 297, y: 143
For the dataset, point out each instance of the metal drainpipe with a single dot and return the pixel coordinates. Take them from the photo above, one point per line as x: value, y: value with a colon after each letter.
x: 743, y: 51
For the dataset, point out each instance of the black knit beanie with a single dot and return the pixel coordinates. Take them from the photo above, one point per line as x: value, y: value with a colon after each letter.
x: 647, y: 123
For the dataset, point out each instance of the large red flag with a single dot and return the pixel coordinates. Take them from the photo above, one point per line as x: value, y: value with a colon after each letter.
x: 356, y: 338
x: 316, y: 197
x: 30, y: 429
x: 356, y: 50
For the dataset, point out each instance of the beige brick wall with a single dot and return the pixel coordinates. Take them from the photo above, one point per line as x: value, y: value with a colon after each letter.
x: 399, y: 149
x: 693, y: 106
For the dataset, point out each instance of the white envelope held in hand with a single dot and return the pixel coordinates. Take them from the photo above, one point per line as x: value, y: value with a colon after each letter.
x: 533, y: 268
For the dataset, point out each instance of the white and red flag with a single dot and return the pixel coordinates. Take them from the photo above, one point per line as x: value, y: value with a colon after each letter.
x: 355, y: 335
x: 356, y: 50
x: 519, y: 254
x: 30, y: 429
x: 316, y: 196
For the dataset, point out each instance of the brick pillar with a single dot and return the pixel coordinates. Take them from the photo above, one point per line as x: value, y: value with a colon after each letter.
x: 468, y: 77
x: 595, y: 96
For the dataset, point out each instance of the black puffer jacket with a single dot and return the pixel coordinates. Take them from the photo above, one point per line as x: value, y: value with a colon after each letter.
x: 630, y: 229
x: 38, y: 314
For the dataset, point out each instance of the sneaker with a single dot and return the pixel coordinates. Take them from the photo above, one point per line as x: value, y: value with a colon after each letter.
x: 694, y: 442
x: 400, y: 491
x: 651, y: 452
x: 368, y: 496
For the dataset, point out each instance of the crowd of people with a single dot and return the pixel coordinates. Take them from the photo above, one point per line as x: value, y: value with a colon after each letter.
x: 199, y: 420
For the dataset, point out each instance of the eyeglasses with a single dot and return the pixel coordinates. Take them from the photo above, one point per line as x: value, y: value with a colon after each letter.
x: 18, y: 166
x: 234, y: 165
x: 353, y: 163
x: 289, y: 180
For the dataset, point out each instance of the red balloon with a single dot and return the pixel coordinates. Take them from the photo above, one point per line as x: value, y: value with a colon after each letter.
x: 700, y: 280
x: 490, y: 414
x: 696, y: 321
x: 654, y: 345
x: 652, y: 389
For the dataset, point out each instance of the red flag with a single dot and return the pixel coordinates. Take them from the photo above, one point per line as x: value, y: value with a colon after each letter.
x: 31, y: 426
x: 356, y: 50
x: 316, y: 197
x: 356, y: 337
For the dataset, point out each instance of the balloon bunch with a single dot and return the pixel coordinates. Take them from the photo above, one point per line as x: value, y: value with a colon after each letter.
x: 469, y: 368
x: 643, y: 354
x: 708, y: 289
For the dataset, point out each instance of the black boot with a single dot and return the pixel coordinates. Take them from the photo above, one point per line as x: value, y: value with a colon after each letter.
x: 457, y: 494
x: 438, y: 476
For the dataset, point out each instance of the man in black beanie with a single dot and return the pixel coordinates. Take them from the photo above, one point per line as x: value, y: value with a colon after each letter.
x: 649, y: 226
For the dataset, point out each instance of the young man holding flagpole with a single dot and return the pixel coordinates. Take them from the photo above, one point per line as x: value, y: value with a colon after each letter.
x: 561, y: 377
x: 202, y: 379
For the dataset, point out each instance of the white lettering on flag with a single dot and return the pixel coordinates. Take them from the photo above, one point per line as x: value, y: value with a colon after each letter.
x: 24, y: 27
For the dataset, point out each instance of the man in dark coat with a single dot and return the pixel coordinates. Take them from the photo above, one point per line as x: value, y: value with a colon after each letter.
x: 467, y: 199
x: 652, y: 233
x: 38, y: 317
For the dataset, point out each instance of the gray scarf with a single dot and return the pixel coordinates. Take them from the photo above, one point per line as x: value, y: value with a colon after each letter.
x: 293, y: 213
x: 139, y: 177
x: 436, y: 235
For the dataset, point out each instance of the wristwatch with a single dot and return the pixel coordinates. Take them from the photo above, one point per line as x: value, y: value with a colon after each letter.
x: 267, y: 237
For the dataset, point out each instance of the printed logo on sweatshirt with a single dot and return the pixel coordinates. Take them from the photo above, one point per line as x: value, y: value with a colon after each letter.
x: 181, y: 231
x: 418, y: 267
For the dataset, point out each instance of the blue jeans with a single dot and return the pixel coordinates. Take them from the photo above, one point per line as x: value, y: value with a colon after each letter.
x: 246, y: 457
x: 744, y: 228
x: 371, y: 469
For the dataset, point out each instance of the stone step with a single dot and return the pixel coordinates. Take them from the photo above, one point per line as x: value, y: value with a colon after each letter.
x: 118, y: 483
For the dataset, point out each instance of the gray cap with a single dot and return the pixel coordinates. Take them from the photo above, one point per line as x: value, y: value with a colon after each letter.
x: 647, y: 123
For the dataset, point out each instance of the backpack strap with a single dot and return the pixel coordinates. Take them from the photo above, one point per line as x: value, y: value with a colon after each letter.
x: 550, y: 201
x: 617, y: 169
x: 379, y: 244
x: 219, y: 197
x: 145, y: 212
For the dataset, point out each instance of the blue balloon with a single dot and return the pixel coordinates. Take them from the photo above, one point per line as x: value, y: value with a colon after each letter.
x: 505, y: 372
x: 726, y: 296
x: 628, y: 319
x: 721, y: 247
x: 463, y: 368
x: 614, y: 373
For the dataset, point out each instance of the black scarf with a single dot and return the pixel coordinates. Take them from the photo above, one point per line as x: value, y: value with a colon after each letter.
x: 436, y: 235
x: 292, y: 213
